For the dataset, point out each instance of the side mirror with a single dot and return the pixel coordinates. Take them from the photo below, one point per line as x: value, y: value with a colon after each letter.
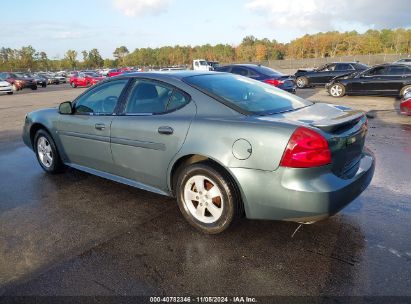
x: 66, y: 108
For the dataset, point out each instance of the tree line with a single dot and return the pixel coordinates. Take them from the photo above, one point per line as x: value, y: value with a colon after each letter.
x: 251, y: 49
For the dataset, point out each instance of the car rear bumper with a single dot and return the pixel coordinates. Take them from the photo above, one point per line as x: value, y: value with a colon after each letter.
x: 300, y: 195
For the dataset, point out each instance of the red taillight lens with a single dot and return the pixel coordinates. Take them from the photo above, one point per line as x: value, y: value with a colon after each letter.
x: 306, y: 148
x: 274, y: 82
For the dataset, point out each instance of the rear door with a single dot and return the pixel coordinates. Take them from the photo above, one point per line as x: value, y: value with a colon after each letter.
x: 393, y: 79
x: 152, y: 129
x: 85, y: 135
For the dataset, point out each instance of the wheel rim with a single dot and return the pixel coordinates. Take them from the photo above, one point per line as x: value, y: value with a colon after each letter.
x: 203, y: 199
x: 300, y: 82
x: 336, y: 90
x: 44, y: 152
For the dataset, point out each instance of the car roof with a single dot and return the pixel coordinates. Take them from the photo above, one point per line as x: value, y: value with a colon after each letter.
x: 169, y: 74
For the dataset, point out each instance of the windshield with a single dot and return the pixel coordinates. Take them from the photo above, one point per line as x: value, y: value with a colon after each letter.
x: 203, y: 62
x: 246, y: 95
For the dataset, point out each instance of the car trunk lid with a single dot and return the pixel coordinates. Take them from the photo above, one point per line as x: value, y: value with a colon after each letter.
x: 344, y: 129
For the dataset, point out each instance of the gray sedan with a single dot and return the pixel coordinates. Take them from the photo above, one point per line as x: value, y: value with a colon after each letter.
x: 223, y: 145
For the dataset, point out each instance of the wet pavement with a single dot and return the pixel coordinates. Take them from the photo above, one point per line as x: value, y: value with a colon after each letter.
x: 77, y: 234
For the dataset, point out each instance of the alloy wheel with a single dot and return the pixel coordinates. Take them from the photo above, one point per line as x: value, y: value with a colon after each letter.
x: 336, y: 90
x: 45, y: 152
x: 203, y: 199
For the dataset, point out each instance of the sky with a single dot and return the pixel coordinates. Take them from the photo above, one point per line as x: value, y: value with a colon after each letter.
x: 56, y: 26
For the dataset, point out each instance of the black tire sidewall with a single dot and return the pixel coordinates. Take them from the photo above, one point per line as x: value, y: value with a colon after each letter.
x: 227, y: 191
x: 57, y: 164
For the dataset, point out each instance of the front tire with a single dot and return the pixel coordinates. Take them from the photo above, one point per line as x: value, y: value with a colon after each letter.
x: 46, y: 152
x: 206, y: 197
x: 9, y: 93
x: 301, y: 82
x: 337, y: 90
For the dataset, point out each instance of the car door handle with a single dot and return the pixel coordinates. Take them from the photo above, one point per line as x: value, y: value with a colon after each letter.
x: 100, y: 126
x: 165, y: 130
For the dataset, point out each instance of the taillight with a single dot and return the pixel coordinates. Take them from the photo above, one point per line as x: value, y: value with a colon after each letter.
x: 274, y: 82
x: 306, y: 148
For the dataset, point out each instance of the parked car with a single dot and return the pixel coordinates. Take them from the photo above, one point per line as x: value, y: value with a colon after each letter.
x: 405, y: 105
x: 60, y: 77
x: 406, y: 61
x: 201, y: 65
x: 323, y: 74
x: 383, y: 80
x: 116, y: 72
x: 262, y: 73
x: 85, y: 79
x: 222, y: 144
x: 213, y: 64
x: 5, y: 87
x: 40, y: 81
x: 50, y: 78
x: 18, y: 81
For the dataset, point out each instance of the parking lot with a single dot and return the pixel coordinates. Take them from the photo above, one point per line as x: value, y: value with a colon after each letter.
x: 78, y: 234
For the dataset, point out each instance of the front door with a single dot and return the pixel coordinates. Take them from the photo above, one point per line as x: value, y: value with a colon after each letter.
x: 85, y: 135
x: 151, y: 131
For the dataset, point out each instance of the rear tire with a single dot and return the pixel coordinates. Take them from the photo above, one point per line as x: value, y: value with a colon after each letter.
x: 301, y: 82
x: 206, y: 197
x: 337, y: 90
x: 405, y: 90
x: 73, y: 85
x: 46, y: 152
x: 34, y: 88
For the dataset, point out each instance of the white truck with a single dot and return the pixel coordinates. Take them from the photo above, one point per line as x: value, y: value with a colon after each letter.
x: 201, y: 65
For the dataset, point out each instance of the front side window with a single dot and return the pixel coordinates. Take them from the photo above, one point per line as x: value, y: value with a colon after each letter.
x: 377, y: 71
x: 150, y: 97
x: 101, y: 99
x: 246, y: 95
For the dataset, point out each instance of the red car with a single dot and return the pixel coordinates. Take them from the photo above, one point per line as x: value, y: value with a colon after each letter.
x: 405, y: 104
x: 115, y: 72
x: 85, y: 79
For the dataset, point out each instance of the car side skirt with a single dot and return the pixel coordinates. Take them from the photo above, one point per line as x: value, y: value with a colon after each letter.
x: 118, y: 179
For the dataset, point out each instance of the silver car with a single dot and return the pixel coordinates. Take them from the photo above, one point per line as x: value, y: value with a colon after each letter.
x: 223, y: 145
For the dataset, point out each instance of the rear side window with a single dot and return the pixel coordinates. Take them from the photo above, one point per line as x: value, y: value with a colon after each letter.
x: 239, y: 71
x: 343, y: 67
x: 396, y: 70
x: 150, y: 97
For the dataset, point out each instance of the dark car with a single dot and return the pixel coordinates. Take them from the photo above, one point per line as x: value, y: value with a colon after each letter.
x: 382, y: 80
x: 40, y: 81
x: 18, y: 81
x: 323, y: 74
x: 261, y: 73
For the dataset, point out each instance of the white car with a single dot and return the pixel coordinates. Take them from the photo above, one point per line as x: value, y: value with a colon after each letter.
x: 201, y: 65
x: 5, y: 87
x: 406, y: 61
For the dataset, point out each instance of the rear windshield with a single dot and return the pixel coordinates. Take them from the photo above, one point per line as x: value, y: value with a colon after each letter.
x: 266, y: 71
x: 247, y: 96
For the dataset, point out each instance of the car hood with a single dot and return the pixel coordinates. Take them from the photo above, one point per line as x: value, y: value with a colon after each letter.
x: 4, y: 83
x: 320, y: 115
